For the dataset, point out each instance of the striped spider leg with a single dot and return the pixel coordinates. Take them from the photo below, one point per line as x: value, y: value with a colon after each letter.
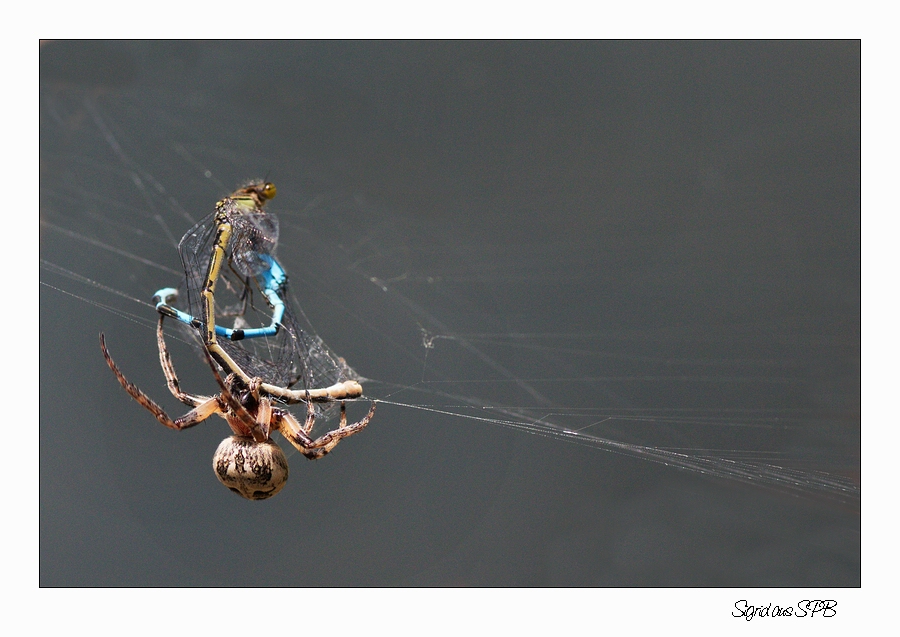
x: 283, y: 421
x: 203, y: 406
x: 249, y: 412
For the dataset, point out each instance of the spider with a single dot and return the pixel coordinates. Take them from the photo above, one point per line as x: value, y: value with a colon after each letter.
x: 249, y: 463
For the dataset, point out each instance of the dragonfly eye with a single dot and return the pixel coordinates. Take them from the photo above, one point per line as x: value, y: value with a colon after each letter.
x: 268, y: 190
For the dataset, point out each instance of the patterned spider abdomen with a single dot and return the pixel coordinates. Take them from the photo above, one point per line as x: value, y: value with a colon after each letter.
x: 253, y: 470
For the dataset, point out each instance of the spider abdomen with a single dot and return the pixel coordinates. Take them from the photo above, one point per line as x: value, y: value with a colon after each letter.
x: 253, y: 470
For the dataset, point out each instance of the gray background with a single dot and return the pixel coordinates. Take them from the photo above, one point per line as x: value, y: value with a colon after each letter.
x: 664, y: 237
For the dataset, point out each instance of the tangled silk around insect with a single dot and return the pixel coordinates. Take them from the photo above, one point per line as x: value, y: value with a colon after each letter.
x: 228, y: 257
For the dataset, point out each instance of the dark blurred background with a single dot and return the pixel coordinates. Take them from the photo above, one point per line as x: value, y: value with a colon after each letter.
x: 658, y: 242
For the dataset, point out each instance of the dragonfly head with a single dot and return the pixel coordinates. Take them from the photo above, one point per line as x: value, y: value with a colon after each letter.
x: 259, y: 191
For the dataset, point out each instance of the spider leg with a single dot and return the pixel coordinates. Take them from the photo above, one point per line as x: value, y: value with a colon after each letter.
x: 264, y: 410
x: 294, y: 432
x: 165, y: 361
x: 310, y: 415
x: 204, y: 409
x: 264, y: 416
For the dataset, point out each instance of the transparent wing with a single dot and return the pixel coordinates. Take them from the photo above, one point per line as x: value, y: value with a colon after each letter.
x: 295, y: 357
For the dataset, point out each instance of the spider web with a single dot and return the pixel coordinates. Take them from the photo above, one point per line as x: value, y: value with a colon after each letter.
x: 478, y: 327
